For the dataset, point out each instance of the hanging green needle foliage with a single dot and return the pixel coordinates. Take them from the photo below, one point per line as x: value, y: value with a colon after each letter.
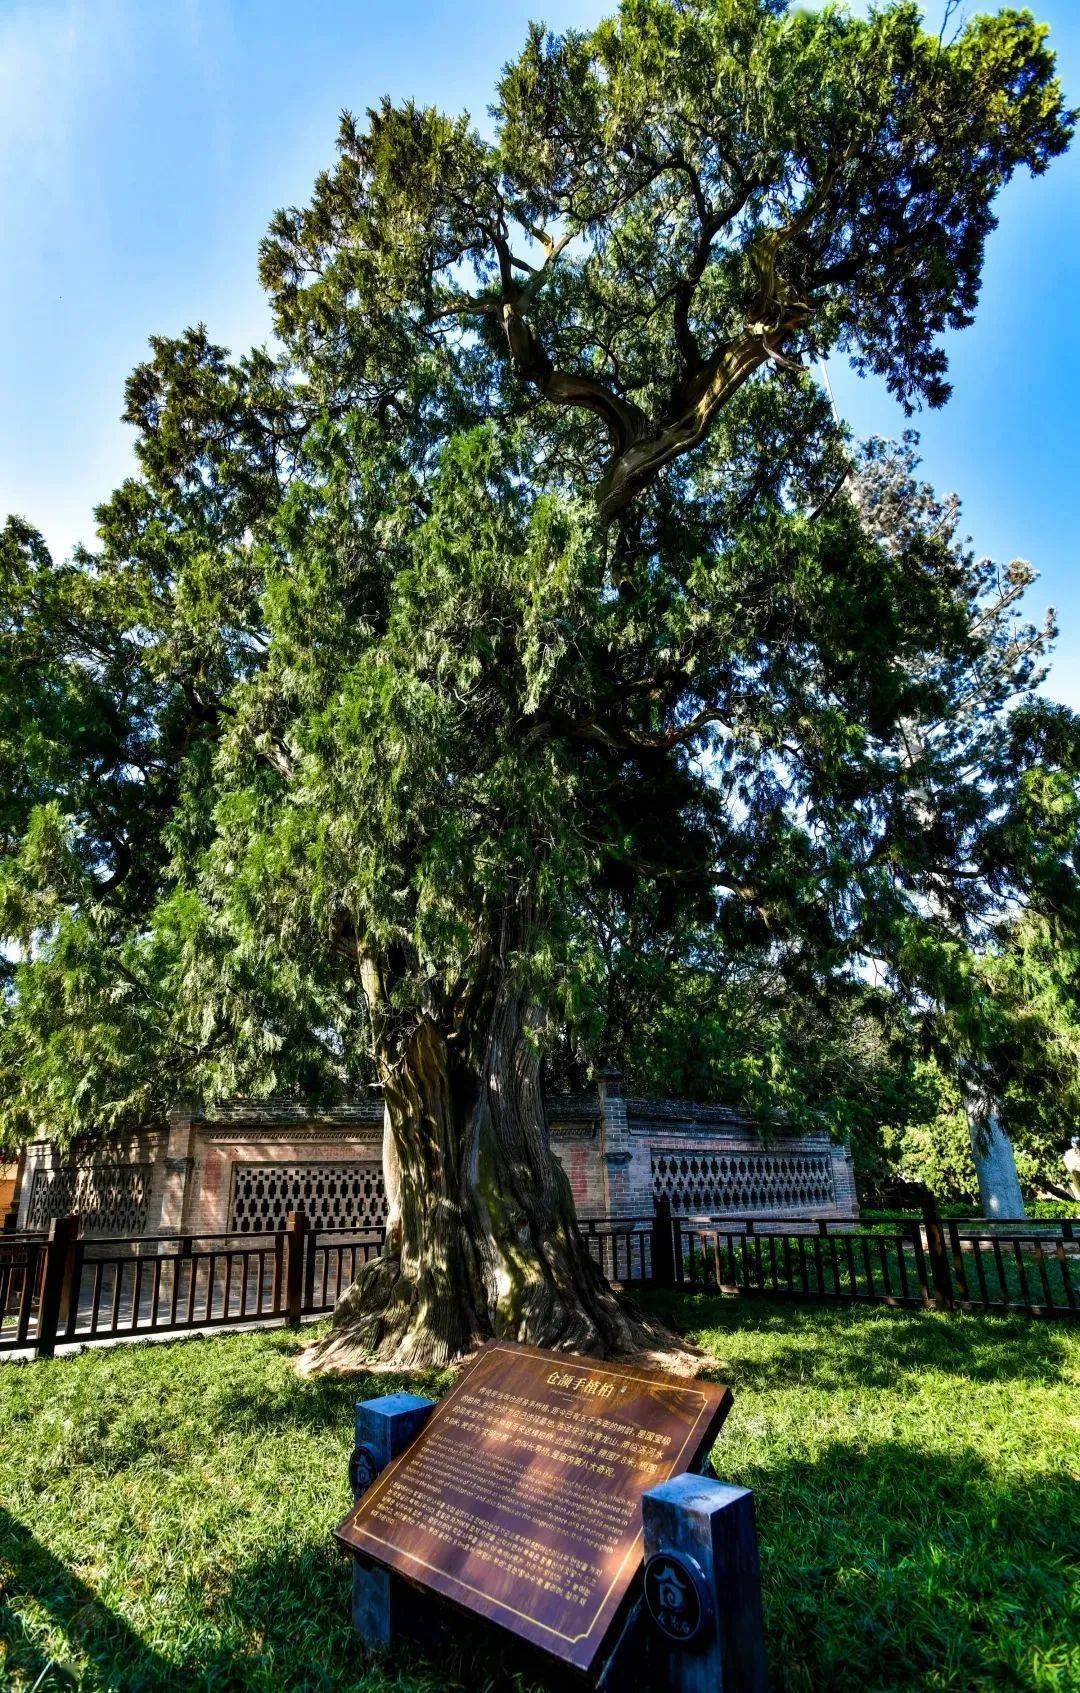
x: 523, y: 613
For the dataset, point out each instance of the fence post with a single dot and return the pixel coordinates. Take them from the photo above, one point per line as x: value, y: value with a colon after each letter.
x: 677, y: 1251
x: 939, y: 1261
x: 279, y: 1272
x: 311, y: 1244
x: 959, y: 1269
x: 55, y: 1282
x: 296, y: 1228
x: 663, y: 1245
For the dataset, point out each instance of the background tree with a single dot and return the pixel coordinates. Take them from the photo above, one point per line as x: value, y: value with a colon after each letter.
x: 522, y: 572
x: 932, y: 968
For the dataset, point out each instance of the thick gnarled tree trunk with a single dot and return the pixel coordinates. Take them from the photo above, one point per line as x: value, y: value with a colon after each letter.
x: 482, y: 1238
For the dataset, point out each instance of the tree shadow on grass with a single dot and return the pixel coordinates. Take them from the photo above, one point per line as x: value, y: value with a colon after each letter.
x: 306, y: 1638
x: 884, y: 1568
x: 313, y: 1403
x: 283, y: 1625
x: 850, y: 1348
x: 103, y: 1651
x: 842, y: 1348
x: 250, y: 1395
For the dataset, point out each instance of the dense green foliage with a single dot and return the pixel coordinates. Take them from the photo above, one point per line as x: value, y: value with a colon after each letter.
x: 167, y: 1509
x: 524, y: 617
x: 920, y: 931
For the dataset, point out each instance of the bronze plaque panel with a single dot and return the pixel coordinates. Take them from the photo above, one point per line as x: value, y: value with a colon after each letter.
x: 520, y: 1499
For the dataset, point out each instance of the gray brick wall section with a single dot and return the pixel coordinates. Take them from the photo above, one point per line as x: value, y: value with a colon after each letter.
x: 617, y: 1153
x: 43, y: 1157
x: 625, y: 1159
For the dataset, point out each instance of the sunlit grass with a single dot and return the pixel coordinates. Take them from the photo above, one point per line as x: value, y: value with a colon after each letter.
x: 166, y: 1509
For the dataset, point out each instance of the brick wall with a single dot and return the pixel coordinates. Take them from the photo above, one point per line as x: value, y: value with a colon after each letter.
x: 117, y: 1189
x: 231, y: 1166
x: 296, y: 1150
x: 8, y: 1174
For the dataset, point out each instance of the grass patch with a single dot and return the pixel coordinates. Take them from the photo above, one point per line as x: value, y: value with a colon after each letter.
x: 165, y: 1510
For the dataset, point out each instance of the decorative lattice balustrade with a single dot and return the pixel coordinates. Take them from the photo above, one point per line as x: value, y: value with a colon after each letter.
x: 725, y: 1183
x: 332, y: 1195
x: 109, y: 1199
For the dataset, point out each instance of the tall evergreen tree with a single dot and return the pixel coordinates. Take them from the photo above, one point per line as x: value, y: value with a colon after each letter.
x: 520, y: 573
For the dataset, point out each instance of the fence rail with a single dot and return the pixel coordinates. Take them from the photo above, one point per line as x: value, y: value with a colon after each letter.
x: 21, y: 1262
x: 622, y: 1247
x: 1029, y: 1265
x: 59, y: 1288
x: 1016, y: 1266
x: 819, y: 1265
x: 1007, y: 1264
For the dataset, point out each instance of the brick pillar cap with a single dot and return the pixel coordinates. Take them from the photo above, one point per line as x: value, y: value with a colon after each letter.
x: 611, y: 1081
x: 183, y: 1108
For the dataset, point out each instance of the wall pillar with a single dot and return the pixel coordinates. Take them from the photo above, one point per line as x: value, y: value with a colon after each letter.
x: 178, y: 1174
x: 626, y: 1159
x: 843, y: 1174
x: 40, y: 1155
x: 10, y: 1219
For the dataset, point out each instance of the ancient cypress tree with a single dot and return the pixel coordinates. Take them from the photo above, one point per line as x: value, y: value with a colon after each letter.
x: 448, y: 611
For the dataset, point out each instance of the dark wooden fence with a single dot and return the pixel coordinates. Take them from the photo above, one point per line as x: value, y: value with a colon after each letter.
x: 772, y: 1259
x: 1028, y: 1266
x: 1016, y: 1266
x: 59, y: 1288
x: 623, y: 1247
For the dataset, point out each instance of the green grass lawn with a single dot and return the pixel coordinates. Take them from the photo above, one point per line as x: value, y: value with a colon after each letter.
x: 165, y: 1511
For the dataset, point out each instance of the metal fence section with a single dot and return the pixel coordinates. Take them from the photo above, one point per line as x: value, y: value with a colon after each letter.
x: 1016, y: 1265
x: 58, y: 1288
x: 21, y: 1262
x: 169, y: 1284
x: 334, y: 1258
x: 622, y: 1247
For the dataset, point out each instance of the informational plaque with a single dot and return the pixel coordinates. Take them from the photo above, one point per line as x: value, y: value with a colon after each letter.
x: 521, y: 1497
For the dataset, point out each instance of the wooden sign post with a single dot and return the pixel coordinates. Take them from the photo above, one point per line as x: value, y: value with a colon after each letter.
x: 530, y: 1497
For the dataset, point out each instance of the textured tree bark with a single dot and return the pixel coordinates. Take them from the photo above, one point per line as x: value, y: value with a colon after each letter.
x: 1000, y: 1193
x: 482, y: 1237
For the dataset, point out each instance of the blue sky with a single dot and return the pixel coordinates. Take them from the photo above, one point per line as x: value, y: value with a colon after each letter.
x: 144, y: 144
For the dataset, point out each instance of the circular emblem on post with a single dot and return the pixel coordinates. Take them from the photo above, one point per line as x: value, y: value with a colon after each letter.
x: 362, y: 1470
x: 675, y: 1596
